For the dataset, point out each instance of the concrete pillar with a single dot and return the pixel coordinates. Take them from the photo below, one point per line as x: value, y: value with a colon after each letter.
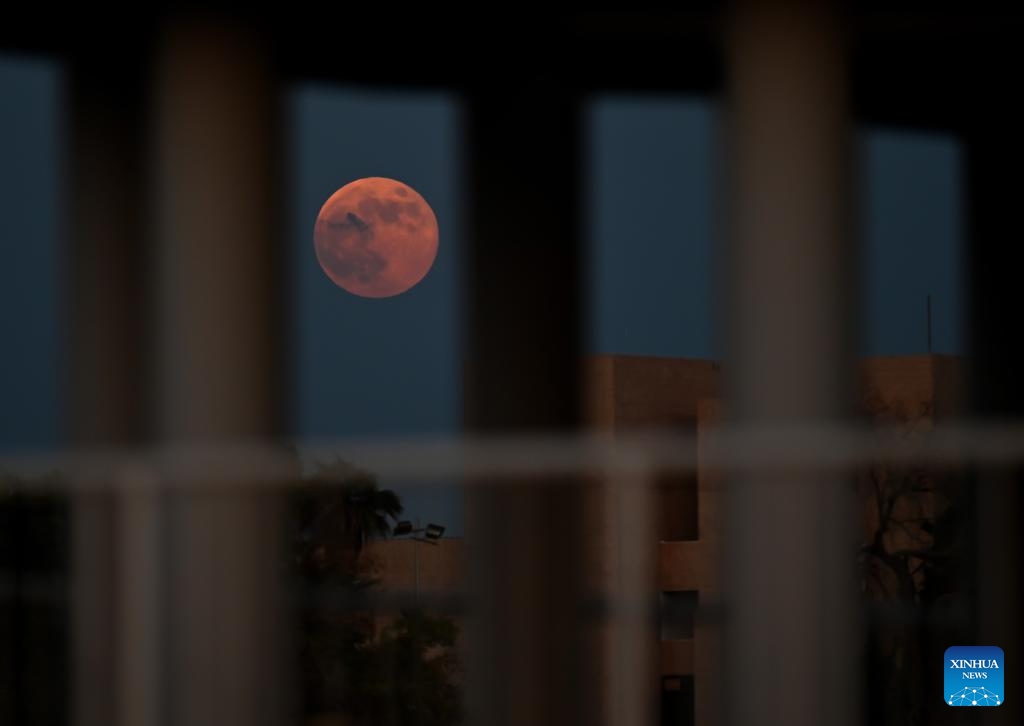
x: 791, y: 598
x: 996, y: 387
x: 522, y: 375
x: 216, y: 378
x: 105, y: 318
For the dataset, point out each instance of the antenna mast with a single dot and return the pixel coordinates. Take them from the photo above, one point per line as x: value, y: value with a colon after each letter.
x: 929, y: 313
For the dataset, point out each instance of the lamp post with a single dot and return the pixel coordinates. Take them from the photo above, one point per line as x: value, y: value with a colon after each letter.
x: 429, y: 534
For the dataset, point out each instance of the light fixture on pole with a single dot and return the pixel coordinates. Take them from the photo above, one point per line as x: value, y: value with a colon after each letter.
x: 429, y: 534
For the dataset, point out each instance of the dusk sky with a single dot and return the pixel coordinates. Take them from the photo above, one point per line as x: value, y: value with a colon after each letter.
x: 362, y: 367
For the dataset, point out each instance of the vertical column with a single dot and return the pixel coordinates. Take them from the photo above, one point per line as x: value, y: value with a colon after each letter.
x: 994, y: 156
x: 708, y: 648
x: 106, y: 346
x: 629, y: 683
x: 139, y: 600
x: 522, y: 374
x: 216, y: 375
x: 791, y: 653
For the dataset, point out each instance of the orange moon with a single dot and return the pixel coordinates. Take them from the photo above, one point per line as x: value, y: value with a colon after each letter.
x: 376, y: 237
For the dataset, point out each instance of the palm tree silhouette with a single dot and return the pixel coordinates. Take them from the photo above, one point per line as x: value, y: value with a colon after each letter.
x: 342, y: 510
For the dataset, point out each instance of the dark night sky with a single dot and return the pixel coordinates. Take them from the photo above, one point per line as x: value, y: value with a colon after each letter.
x: 369, y: 367
x: 29, y: 272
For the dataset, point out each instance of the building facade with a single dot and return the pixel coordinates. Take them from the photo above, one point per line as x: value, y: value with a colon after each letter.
x: 685, y: 521
x: 630, y: 392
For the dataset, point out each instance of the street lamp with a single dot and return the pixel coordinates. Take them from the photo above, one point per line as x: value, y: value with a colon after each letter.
x: 429, y: 534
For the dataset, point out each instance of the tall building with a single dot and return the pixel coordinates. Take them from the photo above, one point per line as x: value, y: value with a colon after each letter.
x: 636, y: 393
x: 628, y: 392
x: 687, y: 526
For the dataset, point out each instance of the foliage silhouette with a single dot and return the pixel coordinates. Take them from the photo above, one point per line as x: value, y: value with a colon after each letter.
x: 912, y: 564
x: 357, y: 666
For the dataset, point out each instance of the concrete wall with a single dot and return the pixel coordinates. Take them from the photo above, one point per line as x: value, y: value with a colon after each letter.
x: 914, y: 385
x: 643, y: 392
x: 626, y: 391
x: 441, y: 566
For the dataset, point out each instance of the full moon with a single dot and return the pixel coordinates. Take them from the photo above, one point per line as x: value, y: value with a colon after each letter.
x: 376, y: 237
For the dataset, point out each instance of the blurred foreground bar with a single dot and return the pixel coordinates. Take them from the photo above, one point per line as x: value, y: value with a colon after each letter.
x: 995, y: 155
x: 216, y: 379
x: 107, y: 353
x: 790, y: 597
x: 522, y: 374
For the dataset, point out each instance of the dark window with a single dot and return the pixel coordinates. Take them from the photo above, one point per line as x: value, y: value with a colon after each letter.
x: 677, y: 701
x: 676, y: 614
